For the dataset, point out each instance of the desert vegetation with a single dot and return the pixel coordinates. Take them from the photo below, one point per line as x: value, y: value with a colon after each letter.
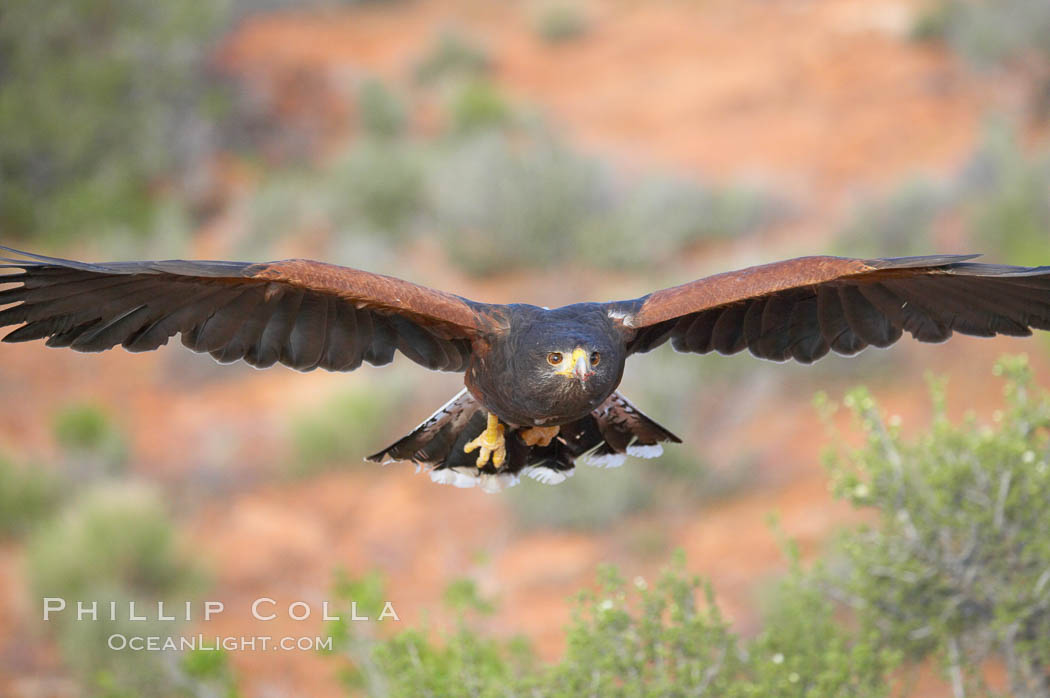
x: 547, y: 153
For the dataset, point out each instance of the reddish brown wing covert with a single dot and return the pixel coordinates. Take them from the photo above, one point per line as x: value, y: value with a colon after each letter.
x: 299, y: 313
x: 802, y: 308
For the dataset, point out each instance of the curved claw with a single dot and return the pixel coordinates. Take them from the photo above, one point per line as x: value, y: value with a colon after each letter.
x: 491, y: 443
x: 539, y: 436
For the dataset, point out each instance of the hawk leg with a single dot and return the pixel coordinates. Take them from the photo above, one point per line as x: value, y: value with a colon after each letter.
x: 491, y: 443
x: 539, y: 436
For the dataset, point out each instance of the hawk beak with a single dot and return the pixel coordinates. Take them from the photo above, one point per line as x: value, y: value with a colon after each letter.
x: 581, y: 364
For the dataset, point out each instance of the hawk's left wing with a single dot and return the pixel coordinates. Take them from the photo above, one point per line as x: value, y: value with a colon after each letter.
x: 298, y: 312
x: 802, y: 308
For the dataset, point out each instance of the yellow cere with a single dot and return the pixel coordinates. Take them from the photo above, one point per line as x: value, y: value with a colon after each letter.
x: 568, y: 364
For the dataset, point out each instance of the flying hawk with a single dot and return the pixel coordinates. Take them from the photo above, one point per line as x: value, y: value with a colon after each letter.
x: 540, y: 384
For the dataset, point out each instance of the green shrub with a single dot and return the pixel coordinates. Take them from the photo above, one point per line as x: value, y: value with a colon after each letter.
x: 502, y: 206
x: 382, y: 114
x: 94, y: 446
x: 28, y: 495
x: 91, y: 100
x: 576, y: 504
x: 478, y: 106
x: 378, y: 186
x: 989, y: 33
x: 654, y: 219
x: 1005, y: 194
x: 115, y: 538
x: 374, y: 191
x: 633, y: 640
x: 957, y: 565
x: 954, y: 567
x: 1000, y: 198
x: 560, y: 23
x: 452, y: 56
x: 112, y: 544
x: 897, y: 225
x: 341, y: 430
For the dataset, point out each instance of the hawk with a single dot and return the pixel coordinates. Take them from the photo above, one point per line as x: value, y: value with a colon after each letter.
x: 540, y: 384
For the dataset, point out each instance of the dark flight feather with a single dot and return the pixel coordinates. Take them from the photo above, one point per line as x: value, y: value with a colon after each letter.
x: 303, y: 314
x: 803, y: 308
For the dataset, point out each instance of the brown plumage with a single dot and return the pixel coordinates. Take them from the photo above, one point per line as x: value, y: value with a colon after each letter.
x: 526, y: 365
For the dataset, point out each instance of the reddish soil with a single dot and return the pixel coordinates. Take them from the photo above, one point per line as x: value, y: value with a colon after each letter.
x: 825, y: 98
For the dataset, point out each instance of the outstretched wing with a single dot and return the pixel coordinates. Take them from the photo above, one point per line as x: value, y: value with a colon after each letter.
x: 802, y: 308
x: 300, y: 313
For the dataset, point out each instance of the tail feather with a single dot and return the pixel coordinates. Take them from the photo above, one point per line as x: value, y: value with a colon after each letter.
x: 603, y: 438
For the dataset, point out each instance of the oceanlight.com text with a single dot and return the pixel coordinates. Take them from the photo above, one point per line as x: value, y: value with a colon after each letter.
x: 120, y: 642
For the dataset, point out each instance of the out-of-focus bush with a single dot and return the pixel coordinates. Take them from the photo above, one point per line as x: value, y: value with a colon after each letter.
x: 112, y: 544
x: 572, y: 504
x: 96, y: 102
x: 1000, y: 199
x: 561, y: 22
x: 655, y: 218
x: 989, y: 33
x: 112, y: 538
x: 28, y: 495
x: 478, y: 106
x: 382, y: 185
x: 1011, y: 35
x: 341, y: 430
x: 375, y: 190
x: 206, y: 674
x: 897, y: 225
x: 1005, y: 195
x: 633, y: 640
x: 381, y: 112
x: 957, y: 566
x: 500, y: 205
x: 506, y: 202
x: 452, y: 56
x: 954, y: 567
x: 93, y: 444
x: 500, y: 191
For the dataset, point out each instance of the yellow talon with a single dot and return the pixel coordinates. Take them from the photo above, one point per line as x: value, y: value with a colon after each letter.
x: 491, y: 443
x: 539, y: 436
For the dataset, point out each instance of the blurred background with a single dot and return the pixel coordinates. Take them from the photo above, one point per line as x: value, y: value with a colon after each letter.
x: 542, y: 151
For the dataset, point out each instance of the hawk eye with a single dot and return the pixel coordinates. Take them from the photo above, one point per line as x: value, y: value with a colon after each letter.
x: 554, y: 358
x: 595, y: 358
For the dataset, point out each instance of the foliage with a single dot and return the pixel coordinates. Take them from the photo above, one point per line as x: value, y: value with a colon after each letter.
x: 28, y: 495
x: 500, y: 205
x: 376, y: 188
x: 653, y: 219
x: 954, y: 566
x: 1000, y: 198
x: 452, y: 56
x: 112, y: 544
x: 94, y: 446
x: 115, y: 537
x: 382, y: 185
x: 478, y: 106
x: 633, y: 640
x: 92, y: 99
x: 573, y: 505
x: 989, y: 33
x: 561, y: 22
x: 532, y: 201
x: 1006, y: 196
x: 339, y: 430
x: 381, y: 112
x: 897, y: 225
x: 498, y: 191
x: 957, y: 565
x: 209, y: 670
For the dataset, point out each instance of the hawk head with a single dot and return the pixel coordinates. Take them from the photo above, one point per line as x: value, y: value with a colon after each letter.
x: 567, y: 369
